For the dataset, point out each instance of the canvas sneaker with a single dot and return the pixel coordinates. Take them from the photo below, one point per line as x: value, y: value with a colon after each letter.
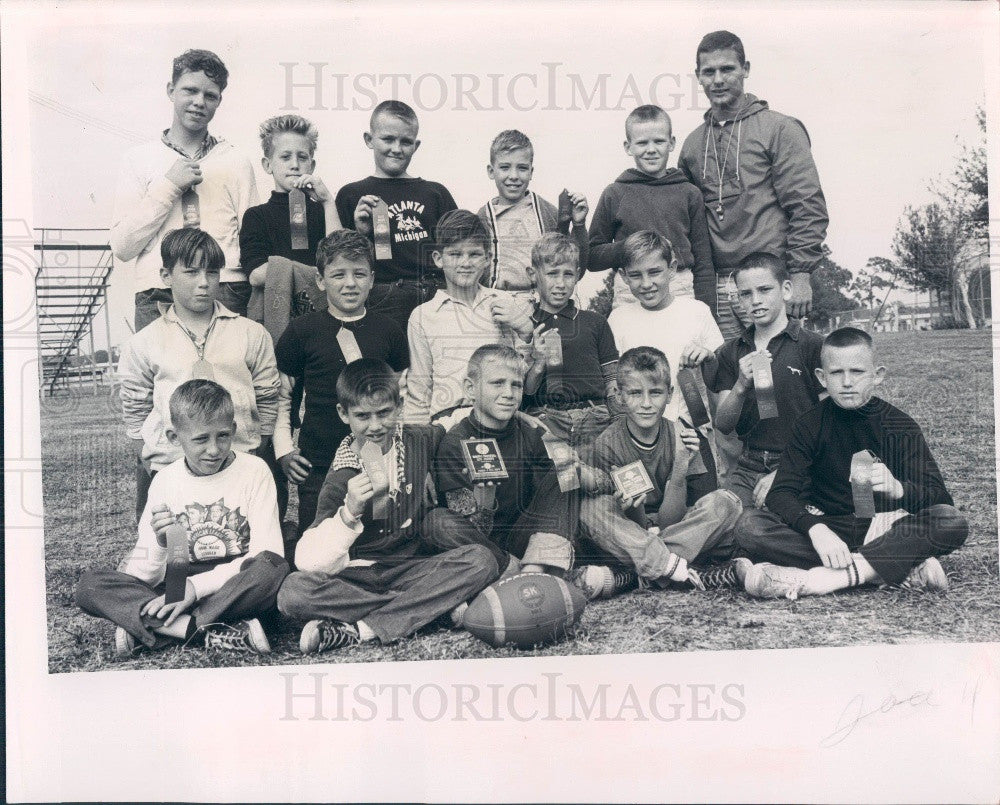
x: 458, y: 615
x: 728, y: 576
x: 246, y: 636
x: 621, y: 581
x: 928, y: 577
x: 592, y: 580
x: 323, y: 635
x: 128, y: 646
x: 765, y: 580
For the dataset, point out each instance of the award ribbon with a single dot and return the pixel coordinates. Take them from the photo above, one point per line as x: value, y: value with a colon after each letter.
x: 565, y: 212
x: 373, y: 461
x: 692, y: 397
x: 380, y: 228
x: 178, y: 563
x: 191, y: 209
x: 348, y: 344
x: 297, y: 218
x: 763, y: 386
x: 864, y: 497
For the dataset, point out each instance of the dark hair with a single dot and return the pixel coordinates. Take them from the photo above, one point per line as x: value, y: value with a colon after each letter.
x: 848, y: 337
x: 646, y: 113
x: 771, y: 262
x: 191, y: 247
x: 458, y: 225
x: 396, y: 109
x: 644, y: 359
x: 509, y: 140
x: 645, y: 241
x: 367, y: 379
x: 344, y: 243
x: 283, y: 124
x: 489, y: 352
x: 720, y: 40
x: 201, y: 61
x: 552, y: 248
x: 200, y: 400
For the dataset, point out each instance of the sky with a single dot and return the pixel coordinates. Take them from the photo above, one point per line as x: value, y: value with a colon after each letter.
x: 886, y: 91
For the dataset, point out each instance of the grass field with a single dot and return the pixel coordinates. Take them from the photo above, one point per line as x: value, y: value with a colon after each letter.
x: 943, y: 379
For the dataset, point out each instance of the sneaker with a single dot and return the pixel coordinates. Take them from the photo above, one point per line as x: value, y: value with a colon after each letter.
x: 458, y: 615
x: 592, y: 580
x: 128, y: 646
x: 928, y: 577
x: 322, y: 635
x: 622, y: 581
x: 765, y: 580
x: 240, y: 636
x: 729, y: 576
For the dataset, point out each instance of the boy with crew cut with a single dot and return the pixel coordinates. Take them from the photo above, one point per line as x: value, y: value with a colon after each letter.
x: 576, y: 389
x: 526, y: 521
x: 654, y: 197
x: 314, y: 350
x: 225, y: 503
x: 858, y: 498
x: 682, y: 328
x: 764, y: 288
x: 517, y: 216
x: 415, y: 206
x: 289, y: 146
x: 362, y: 572
x: 444, y: 332
x: 654, y: 533
x: 186, y: 178
x: 195, y: 337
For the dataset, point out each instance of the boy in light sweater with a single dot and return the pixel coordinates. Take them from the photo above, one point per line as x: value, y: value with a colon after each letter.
x: 186, y: 178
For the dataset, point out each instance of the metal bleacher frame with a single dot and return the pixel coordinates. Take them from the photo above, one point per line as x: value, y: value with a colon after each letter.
x: 71, y: 287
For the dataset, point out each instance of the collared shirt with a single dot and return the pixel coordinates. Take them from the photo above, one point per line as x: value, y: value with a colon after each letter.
x: 587, y: 345
x: 203, y: 148
x: 794, y: 359
x: 443, y: 333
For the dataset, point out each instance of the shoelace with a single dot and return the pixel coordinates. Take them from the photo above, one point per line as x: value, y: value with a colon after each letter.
x: 225, y: 636
x: 335, y: 635
x: 624, y: 579
x: 719, y: 576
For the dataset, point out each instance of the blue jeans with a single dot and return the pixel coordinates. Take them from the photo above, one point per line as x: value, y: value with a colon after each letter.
x: 578, y: 427
x: 396, y: 300
x: 729, y: 313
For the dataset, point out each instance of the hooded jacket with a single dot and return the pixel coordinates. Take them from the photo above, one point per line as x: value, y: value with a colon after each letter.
x: 670, y: 205
x: 771, y: 196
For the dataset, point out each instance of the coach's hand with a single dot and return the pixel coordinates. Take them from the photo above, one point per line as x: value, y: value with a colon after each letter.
x: 831, y: 548
x: 185, y: 173
x: 359, y: 492
x: 161, y: 519
x: 295, y: 466
x: 802, y: 296
x: 168, y: 613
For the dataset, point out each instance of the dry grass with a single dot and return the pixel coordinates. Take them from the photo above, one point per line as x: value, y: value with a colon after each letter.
x: 943, y: 379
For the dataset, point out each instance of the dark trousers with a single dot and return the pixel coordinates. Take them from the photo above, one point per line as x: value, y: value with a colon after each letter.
x: 395, y: 597
x: 934, y: 531
x: 309, y: 491
x: 118, y: 597
x: 234, y: 295
x: 396, y: 300
x: 445, y: 530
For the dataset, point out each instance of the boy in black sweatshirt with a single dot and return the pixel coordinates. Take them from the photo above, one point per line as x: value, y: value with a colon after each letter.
x: 816, y: 529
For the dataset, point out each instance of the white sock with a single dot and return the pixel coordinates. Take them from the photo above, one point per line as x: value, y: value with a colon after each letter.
x: 364, y: 631
x: 176, y: 629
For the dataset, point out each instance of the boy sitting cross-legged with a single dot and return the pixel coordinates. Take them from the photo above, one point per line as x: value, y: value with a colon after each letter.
x: 518, y: 217
x: 526, y: 521
x: 764, y: 287
x: 361, y: 572
x: 655, y: 533
x: 226, y: 503
x: 819, y: 530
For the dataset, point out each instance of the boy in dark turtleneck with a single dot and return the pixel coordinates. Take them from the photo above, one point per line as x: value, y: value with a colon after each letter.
x: 813, y: 531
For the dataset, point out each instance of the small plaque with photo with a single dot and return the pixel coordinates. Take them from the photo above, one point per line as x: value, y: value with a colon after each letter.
x: 632, y: 480
x: 483, y: 460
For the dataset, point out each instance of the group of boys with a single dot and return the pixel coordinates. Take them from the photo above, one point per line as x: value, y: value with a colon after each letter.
x: 506, y: 430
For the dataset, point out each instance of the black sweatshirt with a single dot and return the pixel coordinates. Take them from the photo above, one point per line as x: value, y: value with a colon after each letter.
x: 266, y: 232
x: 815, y: 467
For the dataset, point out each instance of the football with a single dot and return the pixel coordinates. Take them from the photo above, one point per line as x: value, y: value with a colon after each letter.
x: 525, y: 610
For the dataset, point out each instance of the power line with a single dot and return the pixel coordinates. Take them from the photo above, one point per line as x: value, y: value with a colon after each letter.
x: 86, y: 119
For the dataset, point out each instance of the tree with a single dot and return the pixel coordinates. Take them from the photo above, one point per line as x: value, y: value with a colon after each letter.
x: 927, y: 246
x: 829, y: 281
x: 601, y: 301
x: 871, y: 286
x: 966, y: 191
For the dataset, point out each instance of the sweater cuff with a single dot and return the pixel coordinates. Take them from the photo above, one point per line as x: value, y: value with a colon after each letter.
x: 325, y: 547
x: 164, y: 191
x: 805, y: 521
